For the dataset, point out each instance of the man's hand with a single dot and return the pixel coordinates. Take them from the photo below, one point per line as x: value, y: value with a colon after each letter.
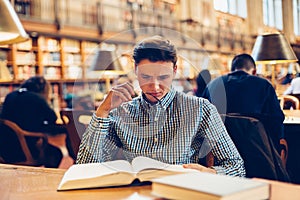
x: 199, y: 167
x: 116, y: 96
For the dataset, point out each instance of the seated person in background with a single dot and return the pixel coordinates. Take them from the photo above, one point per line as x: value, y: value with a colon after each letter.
x: 29, y: 108
x: 242, y: 92
x: 202, y: 80
x: 294, y: 87
x: 287, y: 79
x: 161, y: 123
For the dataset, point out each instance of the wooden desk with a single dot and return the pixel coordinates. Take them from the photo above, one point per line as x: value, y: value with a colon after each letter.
x: 292, y: 113
x: 20, y: 182
x: 31, y: 183
x: 291, y: 116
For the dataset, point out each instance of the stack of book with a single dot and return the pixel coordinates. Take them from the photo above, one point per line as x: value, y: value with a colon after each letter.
x: 168, y: 181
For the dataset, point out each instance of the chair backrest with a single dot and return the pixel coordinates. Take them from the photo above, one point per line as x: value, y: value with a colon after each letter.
x: 288, y: 101
x: 284, y: 151
x: 255, y: 147
x: 14, y: 148
x: 76, y: 122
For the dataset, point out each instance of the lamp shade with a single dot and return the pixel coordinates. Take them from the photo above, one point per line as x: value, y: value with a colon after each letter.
x: 105, y: 60
x: 272, y: 49
x: 11, y: 29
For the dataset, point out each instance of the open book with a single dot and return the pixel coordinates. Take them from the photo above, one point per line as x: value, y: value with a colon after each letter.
x: 116, y: 173
x: 209, y: 186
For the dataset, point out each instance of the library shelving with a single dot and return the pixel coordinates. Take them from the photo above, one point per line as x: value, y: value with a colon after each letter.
x: 62, y: 61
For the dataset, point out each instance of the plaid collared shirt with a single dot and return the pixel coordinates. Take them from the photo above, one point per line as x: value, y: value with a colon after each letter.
x: 178, y: 129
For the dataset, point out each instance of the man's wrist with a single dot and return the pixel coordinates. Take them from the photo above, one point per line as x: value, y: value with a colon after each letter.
x: 102, y: 113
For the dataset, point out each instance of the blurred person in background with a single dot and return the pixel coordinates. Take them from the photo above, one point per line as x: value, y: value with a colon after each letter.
x: 29, y: 107
x: 241, y: 91
x: 203, y: 78
x: 294, y: 87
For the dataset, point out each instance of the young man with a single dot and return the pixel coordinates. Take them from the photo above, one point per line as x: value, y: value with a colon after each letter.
x: 161, y: 123
x: 242, y: 92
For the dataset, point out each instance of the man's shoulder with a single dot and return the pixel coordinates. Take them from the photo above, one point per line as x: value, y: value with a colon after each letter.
x: 217, y: 80
x: 183, y: 97
x: 261, y: 80
x: 25, y: 96
x: 296, y: 80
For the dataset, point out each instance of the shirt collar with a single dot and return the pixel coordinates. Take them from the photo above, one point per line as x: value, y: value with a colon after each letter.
x: 165, y: 101
x: 239, y: 72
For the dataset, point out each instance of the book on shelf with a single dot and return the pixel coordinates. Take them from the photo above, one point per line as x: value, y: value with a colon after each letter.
x: 117, y: 173
x: 209, y: 186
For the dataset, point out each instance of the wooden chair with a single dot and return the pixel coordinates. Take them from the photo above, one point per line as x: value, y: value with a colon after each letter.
x: 76, y: 122
x: 284, y: 151
x: 20, y: 133
x: 288, y: 102
x: 58, y: 141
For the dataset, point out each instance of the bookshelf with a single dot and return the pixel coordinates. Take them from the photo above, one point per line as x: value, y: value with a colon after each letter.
x: 62, y: 61
x: 5, y: 71
x: 24, y: 59
x: 50, y: 62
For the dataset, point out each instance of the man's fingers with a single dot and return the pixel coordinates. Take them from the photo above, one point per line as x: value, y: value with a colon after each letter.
x: 121, y: 94
x: 193, y: 166
x: 130, y: 88
x: 125, y: 89
x: 199, y: 167
x: 116, y: 96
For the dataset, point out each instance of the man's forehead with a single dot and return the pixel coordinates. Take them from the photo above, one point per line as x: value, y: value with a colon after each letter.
x: 156, y: 65
x: 155, y: 69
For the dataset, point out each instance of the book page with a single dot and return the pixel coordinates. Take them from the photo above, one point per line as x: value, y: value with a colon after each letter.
x: 92, y: 175
x: 142, y: 163
x: 119, y: 166
x: 147, y: 168
x: 90, y: 170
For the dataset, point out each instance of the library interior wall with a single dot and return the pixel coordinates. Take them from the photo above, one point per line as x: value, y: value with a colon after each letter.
x: 61, y: 54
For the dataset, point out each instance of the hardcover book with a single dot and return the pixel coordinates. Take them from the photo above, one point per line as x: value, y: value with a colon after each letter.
x: 209, y: 186
x: 117, y: 173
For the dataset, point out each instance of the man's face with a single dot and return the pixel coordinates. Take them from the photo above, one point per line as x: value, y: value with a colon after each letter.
x: 155, y: 78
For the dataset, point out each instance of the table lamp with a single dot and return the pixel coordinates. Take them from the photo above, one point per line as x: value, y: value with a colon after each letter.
x: 11, y: 29
x: 273, y: 49
x: 105, y: 63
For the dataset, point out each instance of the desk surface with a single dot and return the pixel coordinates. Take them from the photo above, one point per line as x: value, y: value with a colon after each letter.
x: 24, y: 183
x: 291, y: 116
x: 20, y: 182
x: 292, y: 113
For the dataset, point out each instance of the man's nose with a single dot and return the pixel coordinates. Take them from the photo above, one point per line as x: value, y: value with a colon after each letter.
x: 155, y: 84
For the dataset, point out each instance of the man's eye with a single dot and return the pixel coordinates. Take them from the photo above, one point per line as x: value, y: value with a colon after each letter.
x: 163, y: 77
x: 145, y: 77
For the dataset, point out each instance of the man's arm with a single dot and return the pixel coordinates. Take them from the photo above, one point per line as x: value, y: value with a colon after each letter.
x: 98, y: 143
x: 228, y: 159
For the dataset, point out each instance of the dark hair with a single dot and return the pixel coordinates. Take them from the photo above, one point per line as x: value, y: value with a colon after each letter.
x: 243, y: 61
x: 35, y: 84
x: 155, y: 48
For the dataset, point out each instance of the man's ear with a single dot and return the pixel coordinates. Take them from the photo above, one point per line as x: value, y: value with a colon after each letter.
x: 135, y: 69
x: 175, y: 69
x: 254, y: 72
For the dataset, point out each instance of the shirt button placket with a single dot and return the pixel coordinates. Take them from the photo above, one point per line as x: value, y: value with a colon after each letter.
x: 155, y: 144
